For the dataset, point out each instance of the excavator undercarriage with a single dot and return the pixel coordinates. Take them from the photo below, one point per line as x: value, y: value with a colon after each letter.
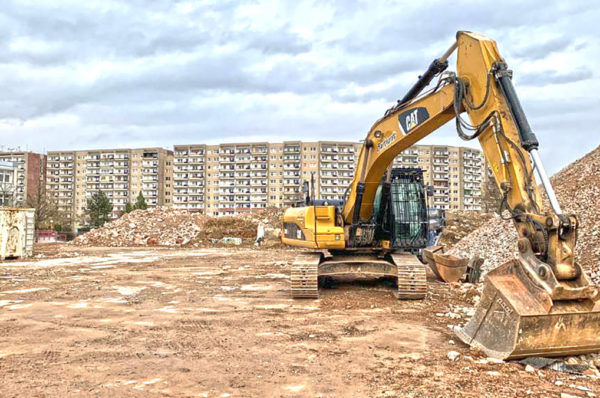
x: 309, y: 270
x: 542, y: 303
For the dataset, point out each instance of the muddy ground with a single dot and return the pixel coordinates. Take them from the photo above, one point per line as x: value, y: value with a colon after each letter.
x: 220, y: 323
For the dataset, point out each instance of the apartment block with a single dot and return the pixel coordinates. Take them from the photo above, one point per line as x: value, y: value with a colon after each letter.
x: 74, y: 176
x: 336, y: 165
x: 227, y: 179
x: 31, y: 169
x: 221, y: 179
x: 60, y: 182
x: 189, y: 177
x: 151, y: 174
x: 231, y: 178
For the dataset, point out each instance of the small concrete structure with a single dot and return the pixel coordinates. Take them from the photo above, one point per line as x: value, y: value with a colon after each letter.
x: 17, y: 226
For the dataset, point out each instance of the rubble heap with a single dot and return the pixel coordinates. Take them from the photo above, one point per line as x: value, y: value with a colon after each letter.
x: 242, y: 225
x: 460, y: 223
x: 152, y: 227
x: 578, y: 189
x: 164, y: 226
x: 495, y: 241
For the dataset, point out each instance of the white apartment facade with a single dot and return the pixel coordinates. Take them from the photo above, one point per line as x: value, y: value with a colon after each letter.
x: 73, y: 177
x: 228, y: 179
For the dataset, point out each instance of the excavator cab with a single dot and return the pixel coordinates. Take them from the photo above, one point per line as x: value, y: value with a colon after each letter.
x: 404, y: 221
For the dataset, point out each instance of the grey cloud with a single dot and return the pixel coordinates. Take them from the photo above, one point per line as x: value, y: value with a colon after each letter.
x: 535, y: 50
x: 92, y: 32
x: 163, y: 71
x: 376, y: 69
x: 548, y: 77
x: 206, y: 72
x: 406, y: 28
x: 390, y: 94
x: 545, y: 108
x: 279, y: 41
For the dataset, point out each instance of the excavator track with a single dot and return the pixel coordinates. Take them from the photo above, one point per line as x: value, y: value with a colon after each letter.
x: 305, y: 276
x: 412, y: 277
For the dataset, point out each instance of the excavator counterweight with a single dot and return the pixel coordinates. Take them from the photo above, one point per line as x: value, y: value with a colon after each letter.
x: 542, y: 303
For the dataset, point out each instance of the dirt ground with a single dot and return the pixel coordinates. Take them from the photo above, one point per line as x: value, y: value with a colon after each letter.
x: 220, y: 323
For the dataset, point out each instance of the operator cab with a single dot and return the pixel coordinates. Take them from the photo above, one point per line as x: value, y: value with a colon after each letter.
x: 404, y: 209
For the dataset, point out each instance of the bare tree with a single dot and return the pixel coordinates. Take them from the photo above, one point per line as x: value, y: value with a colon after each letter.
x: 46, y: 209
x: 7, y: 194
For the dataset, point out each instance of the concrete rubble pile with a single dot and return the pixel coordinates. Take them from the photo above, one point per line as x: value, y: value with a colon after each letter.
x: 578, y: 189
x: 164, y: 226
x: 152, y: 227
x: 460, y: 223
x: 495, y: 242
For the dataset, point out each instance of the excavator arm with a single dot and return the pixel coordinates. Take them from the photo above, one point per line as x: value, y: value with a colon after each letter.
x: 481, y: 88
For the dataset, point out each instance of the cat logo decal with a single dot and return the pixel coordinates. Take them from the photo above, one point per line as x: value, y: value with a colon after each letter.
x: 411, y: 118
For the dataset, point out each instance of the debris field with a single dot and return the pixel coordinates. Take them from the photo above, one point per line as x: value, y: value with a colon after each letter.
x: 460, y: 223
x: 163, y: 226
x: 219, y: 322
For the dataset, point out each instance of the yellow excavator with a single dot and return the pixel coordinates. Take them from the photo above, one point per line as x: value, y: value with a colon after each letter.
x: 539, y: 304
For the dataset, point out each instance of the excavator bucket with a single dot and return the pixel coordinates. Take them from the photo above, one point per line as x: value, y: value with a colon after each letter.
x: 446, y: 267
x: 516, y: 318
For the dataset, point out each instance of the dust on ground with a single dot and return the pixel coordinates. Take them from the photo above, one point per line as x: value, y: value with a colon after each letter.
x: 219, y: 322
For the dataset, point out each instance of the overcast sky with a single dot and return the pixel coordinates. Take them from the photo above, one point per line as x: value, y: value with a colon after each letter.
x: 102, y: 73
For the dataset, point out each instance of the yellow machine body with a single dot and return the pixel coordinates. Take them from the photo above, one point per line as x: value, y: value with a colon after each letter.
x: 312, y: 227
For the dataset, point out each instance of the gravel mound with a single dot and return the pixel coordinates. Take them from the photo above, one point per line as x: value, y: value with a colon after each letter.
x: 164, y: 226
x: 495, y: 242
x: 578, y: 189
x: 460, y: 223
